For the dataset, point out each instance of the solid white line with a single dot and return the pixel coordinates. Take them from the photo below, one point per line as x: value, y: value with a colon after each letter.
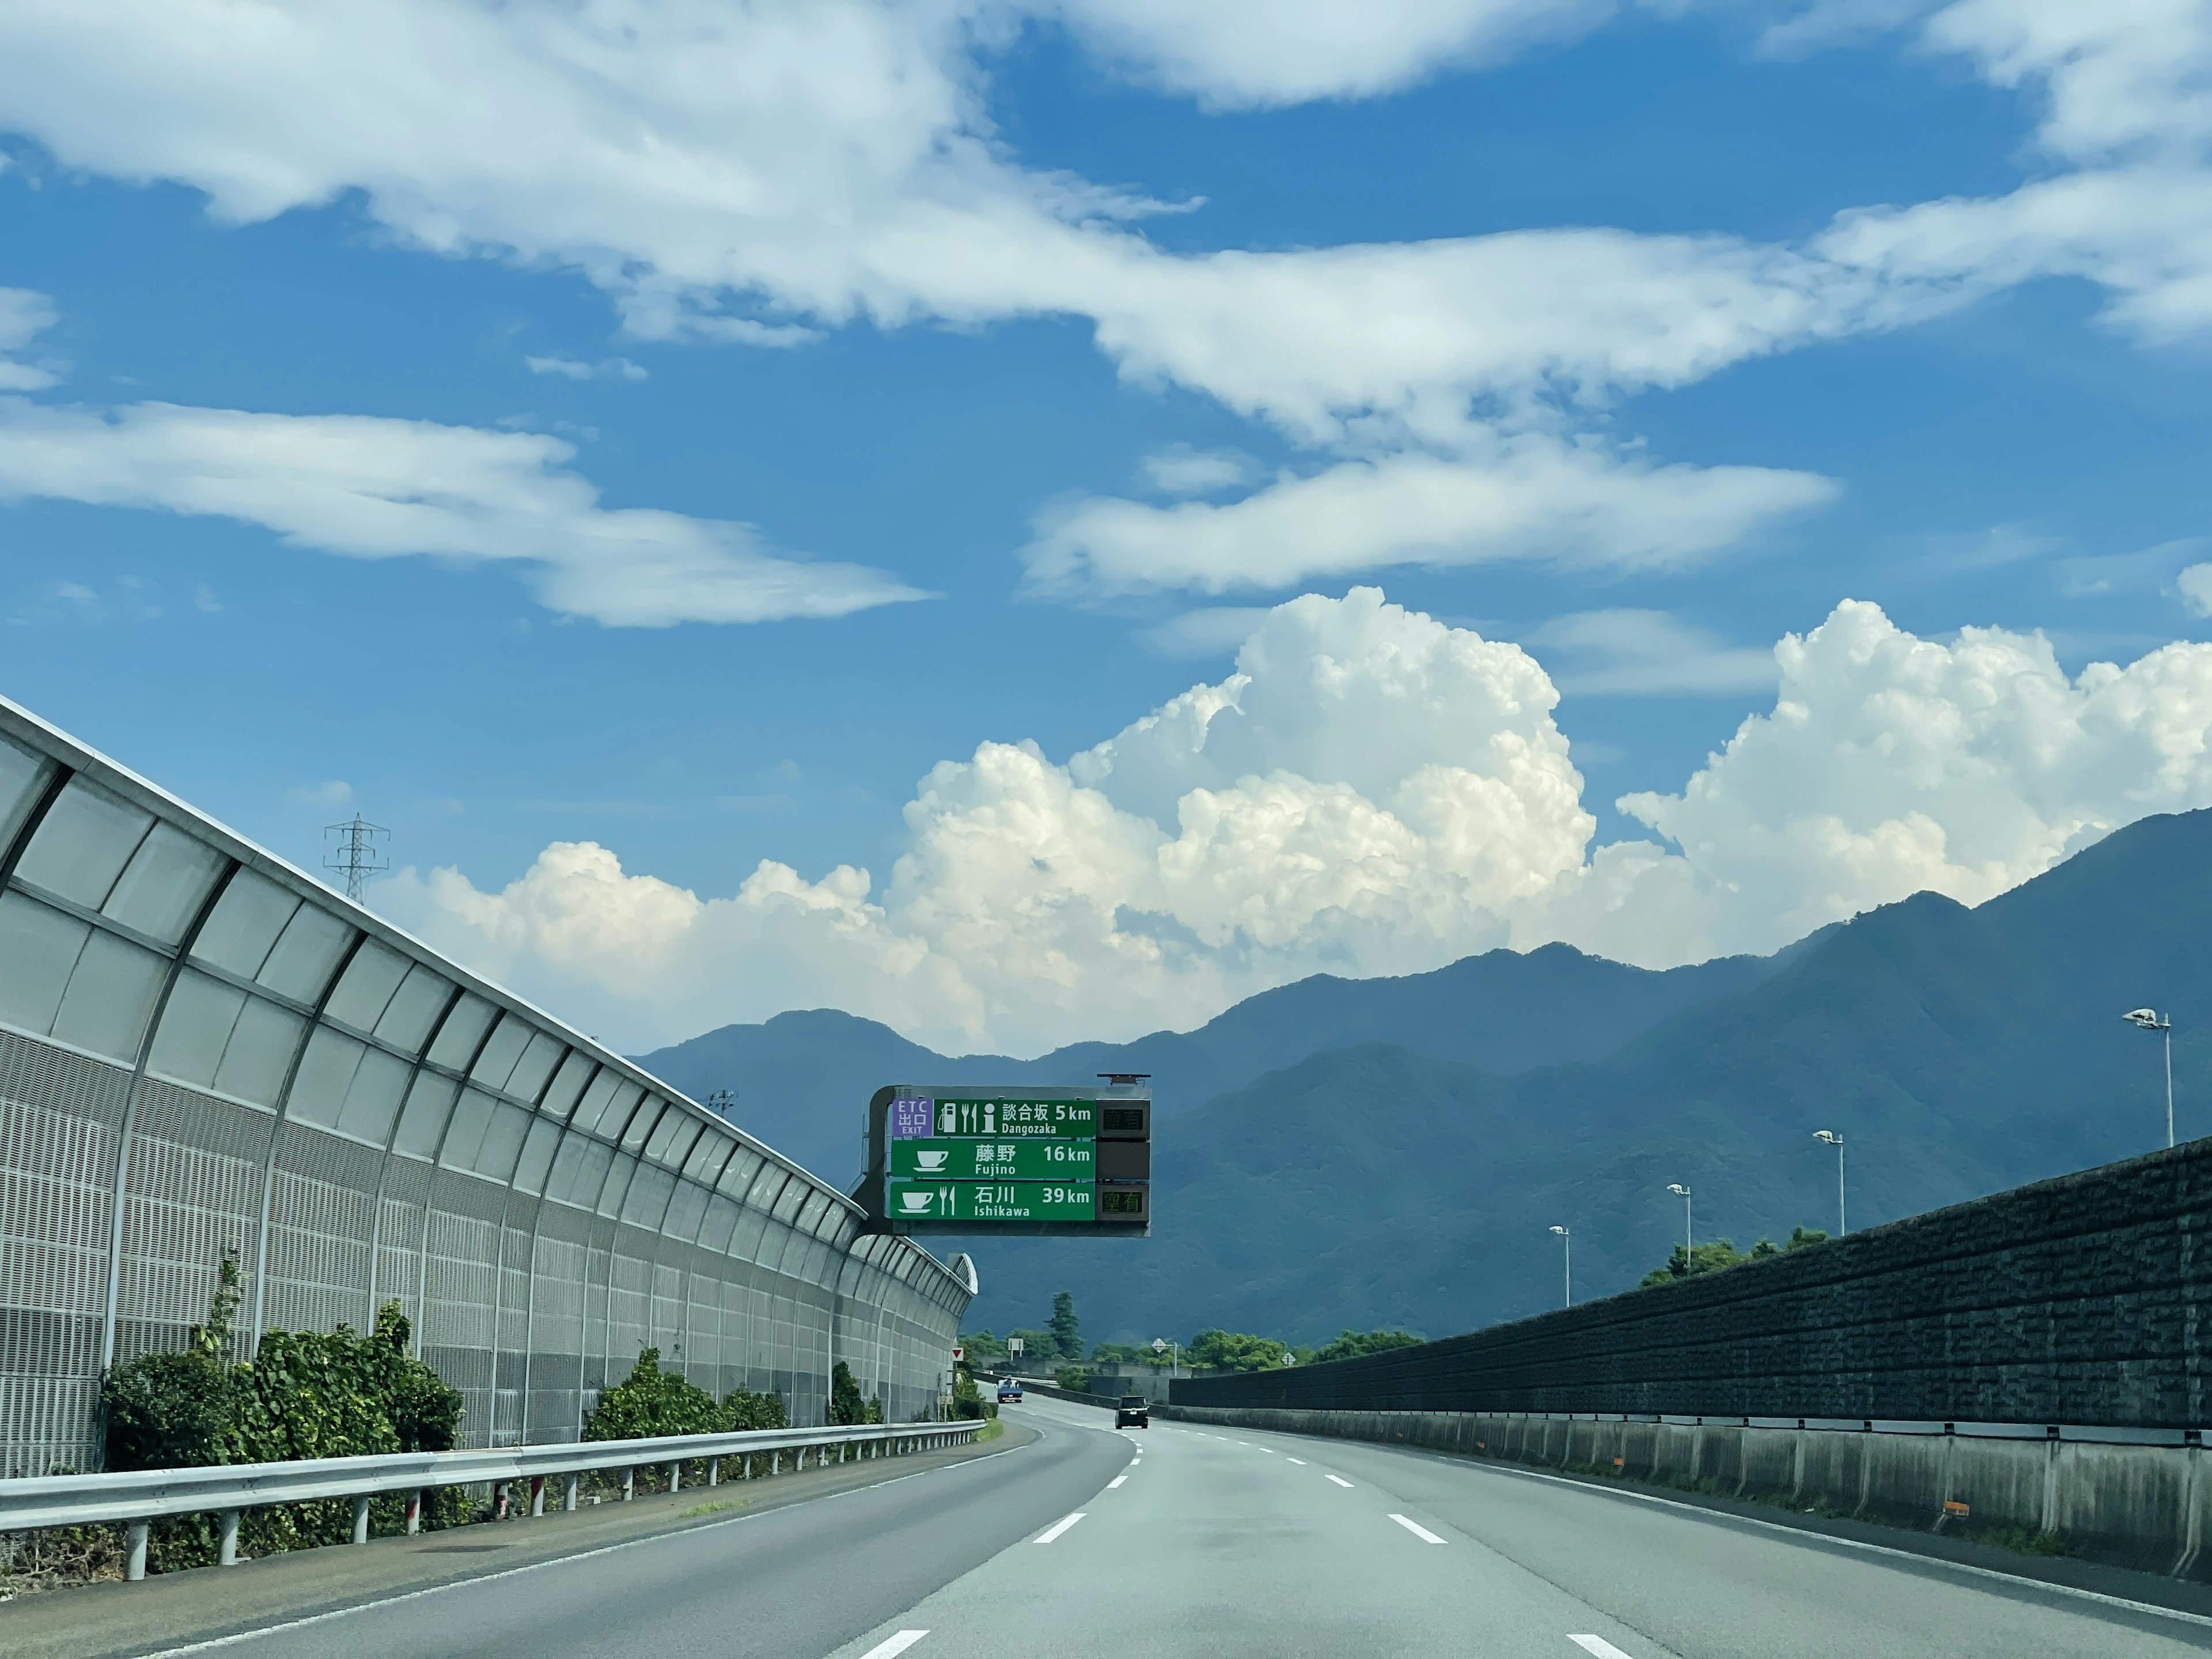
x: 1423, y: 1534
x: 1339, y: 1480
x: 906, y: 1639
x: 1591, y: 1645
x: 1058, y: 1528
x: 1116, y: 1481
x: 1300, y: 1462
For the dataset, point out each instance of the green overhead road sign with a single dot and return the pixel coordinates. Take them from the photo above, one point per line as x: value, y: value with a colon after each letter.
x: 1034, y: 1161
x: 1018, y: 1119
x: 990, y: 1200
x: 939, y: 1159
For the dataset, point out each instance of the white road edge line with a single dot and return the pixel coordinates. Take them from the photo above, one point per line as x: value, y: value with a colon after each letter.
x: 2017, y: 1581
x: 906, y: 1639
x: 1428, y: 1537
x: 1339, y: 1480
x: 1058, y: 1528
x: 1596, y: 1645
x: 1116, y: 1481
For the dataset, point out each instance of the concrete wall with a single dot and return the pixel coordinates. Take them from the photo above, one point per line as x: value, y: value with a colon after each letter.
x: 2136, y: 1506
x: 2077, y: 1300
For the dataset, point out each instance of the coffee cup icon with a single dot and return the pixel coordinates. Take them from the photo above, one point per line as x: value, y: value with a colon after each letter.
x: 915, y: 1203
x: 931, y: 1161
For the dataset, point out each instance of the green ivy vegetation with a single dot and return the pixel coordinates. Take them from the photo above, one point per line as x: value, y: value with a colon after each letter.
x: 304, y: 1394
x: 650, y: 1402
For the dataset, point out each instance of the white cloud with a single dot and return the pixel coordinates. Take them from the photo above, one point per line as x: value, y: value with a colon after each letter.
x: 1179, y: 470
x: 1214, y: 631
x: 24, y: 315
x: 2125, y: 97
x: 1254, y: 53
x: 613, y: 368
x: 368, y: 487
x: 1891, y: 765
x: 759, y: 174
x: 1369, y: 792
x: 1530, y: 497
x: 1648, y: 653
x: 326, y: 797
x: 2196, y: 587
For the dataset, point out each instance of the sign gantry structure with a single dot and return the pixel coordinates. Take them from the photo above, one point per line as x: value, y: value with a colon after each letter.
x: 945, y: 1158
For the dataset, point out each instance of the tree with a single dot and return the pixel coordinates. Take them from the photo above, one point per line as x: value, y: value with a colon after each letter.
x: 1353, y: 1344
x: 1066, y: 1328
x: 845, y: 1405
x: 650, y: 1402
x: 982, y: 1346
x: 1234, y: 1351
x: 1718, y: 1255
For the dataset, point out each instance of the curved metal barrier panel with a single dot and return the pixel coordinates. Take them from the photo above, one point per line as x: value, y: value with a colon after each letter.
x: 203, y: 1048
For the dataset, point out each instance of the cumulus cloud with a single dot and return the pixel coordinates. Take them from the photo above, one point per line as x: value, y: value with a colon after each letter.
x: 1892, y: 764
x: 1371, y: 791
x: 368, y: 487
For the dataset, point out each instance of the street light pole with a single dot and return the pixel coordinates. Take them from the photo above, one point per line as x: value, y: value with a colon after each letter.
x: 1568, y: 1239
x: 1689, y: 1242
x: 2148, y: 1020
x: 1837, y: 1141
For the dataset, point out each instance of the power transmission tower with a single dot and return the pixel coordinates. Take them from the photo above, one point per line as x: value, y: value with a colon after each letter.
x: 722, y: 1101
x: 355, y: 857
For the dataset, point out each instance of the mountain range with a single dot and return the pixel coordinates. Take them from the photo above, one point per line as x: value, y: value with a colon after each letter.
x: 1395, y: 1151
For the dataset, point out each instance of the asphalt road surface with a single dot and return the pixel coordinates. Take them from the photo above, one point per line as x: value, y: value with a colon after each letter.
x: 1173, y: 1541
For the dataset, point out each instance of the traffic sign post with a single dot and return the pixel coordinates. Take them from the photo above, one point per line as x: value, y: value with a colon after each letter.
x: 1069, y: 1162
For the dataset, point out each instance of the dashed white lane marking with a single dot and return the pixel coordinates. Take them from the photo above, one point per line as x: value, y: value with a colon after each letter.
x: 1058, y: 1528
x: 907, y: 1638
x: 1597, y: 1645
x: 1270, y: 1450
x: 1428, y: 1537
x: 1116, y: 1481
x: 1300, y: 1462
x: 1339, y: 1480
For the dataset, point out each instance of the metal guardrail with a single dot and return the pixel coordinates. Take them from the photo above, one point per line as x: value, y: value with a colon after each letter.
x: 137, y: 1497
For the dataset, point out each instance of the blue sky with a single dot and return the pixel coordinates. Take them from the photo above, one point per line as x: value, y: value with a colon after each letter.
x: 1492, y: 279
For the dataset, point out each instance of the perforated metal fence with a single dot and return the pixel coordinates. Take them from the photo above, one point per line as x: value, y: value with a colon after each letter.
x: 201, y: 1049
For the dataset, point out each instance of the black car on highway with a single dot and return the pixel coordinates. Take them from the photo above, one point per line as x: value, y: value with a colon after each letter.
x: 1135, y: 1412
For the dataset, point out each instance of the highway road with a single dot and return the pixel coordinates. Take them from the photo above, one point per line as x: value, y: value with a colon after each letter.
x: 1177, y: 1542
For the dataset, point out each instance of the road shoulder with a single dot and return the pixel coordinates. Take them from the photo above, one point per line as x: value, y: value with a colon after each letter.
x: 177, y: 1609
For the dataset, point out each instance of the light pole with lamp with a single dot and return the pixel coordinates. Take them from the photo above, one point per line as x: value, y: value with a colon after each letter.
x: 1568, y: 1239
x: 1689, y: 1244
x: 1836, y: 1141
x: 2148, y: 1020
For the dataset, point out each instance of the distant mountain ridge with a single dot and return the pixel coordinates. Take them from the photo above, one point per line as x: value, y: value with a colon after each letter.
x: 802, y: 1078
x: 1395, y: 1151
x: 1959, y: 1052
